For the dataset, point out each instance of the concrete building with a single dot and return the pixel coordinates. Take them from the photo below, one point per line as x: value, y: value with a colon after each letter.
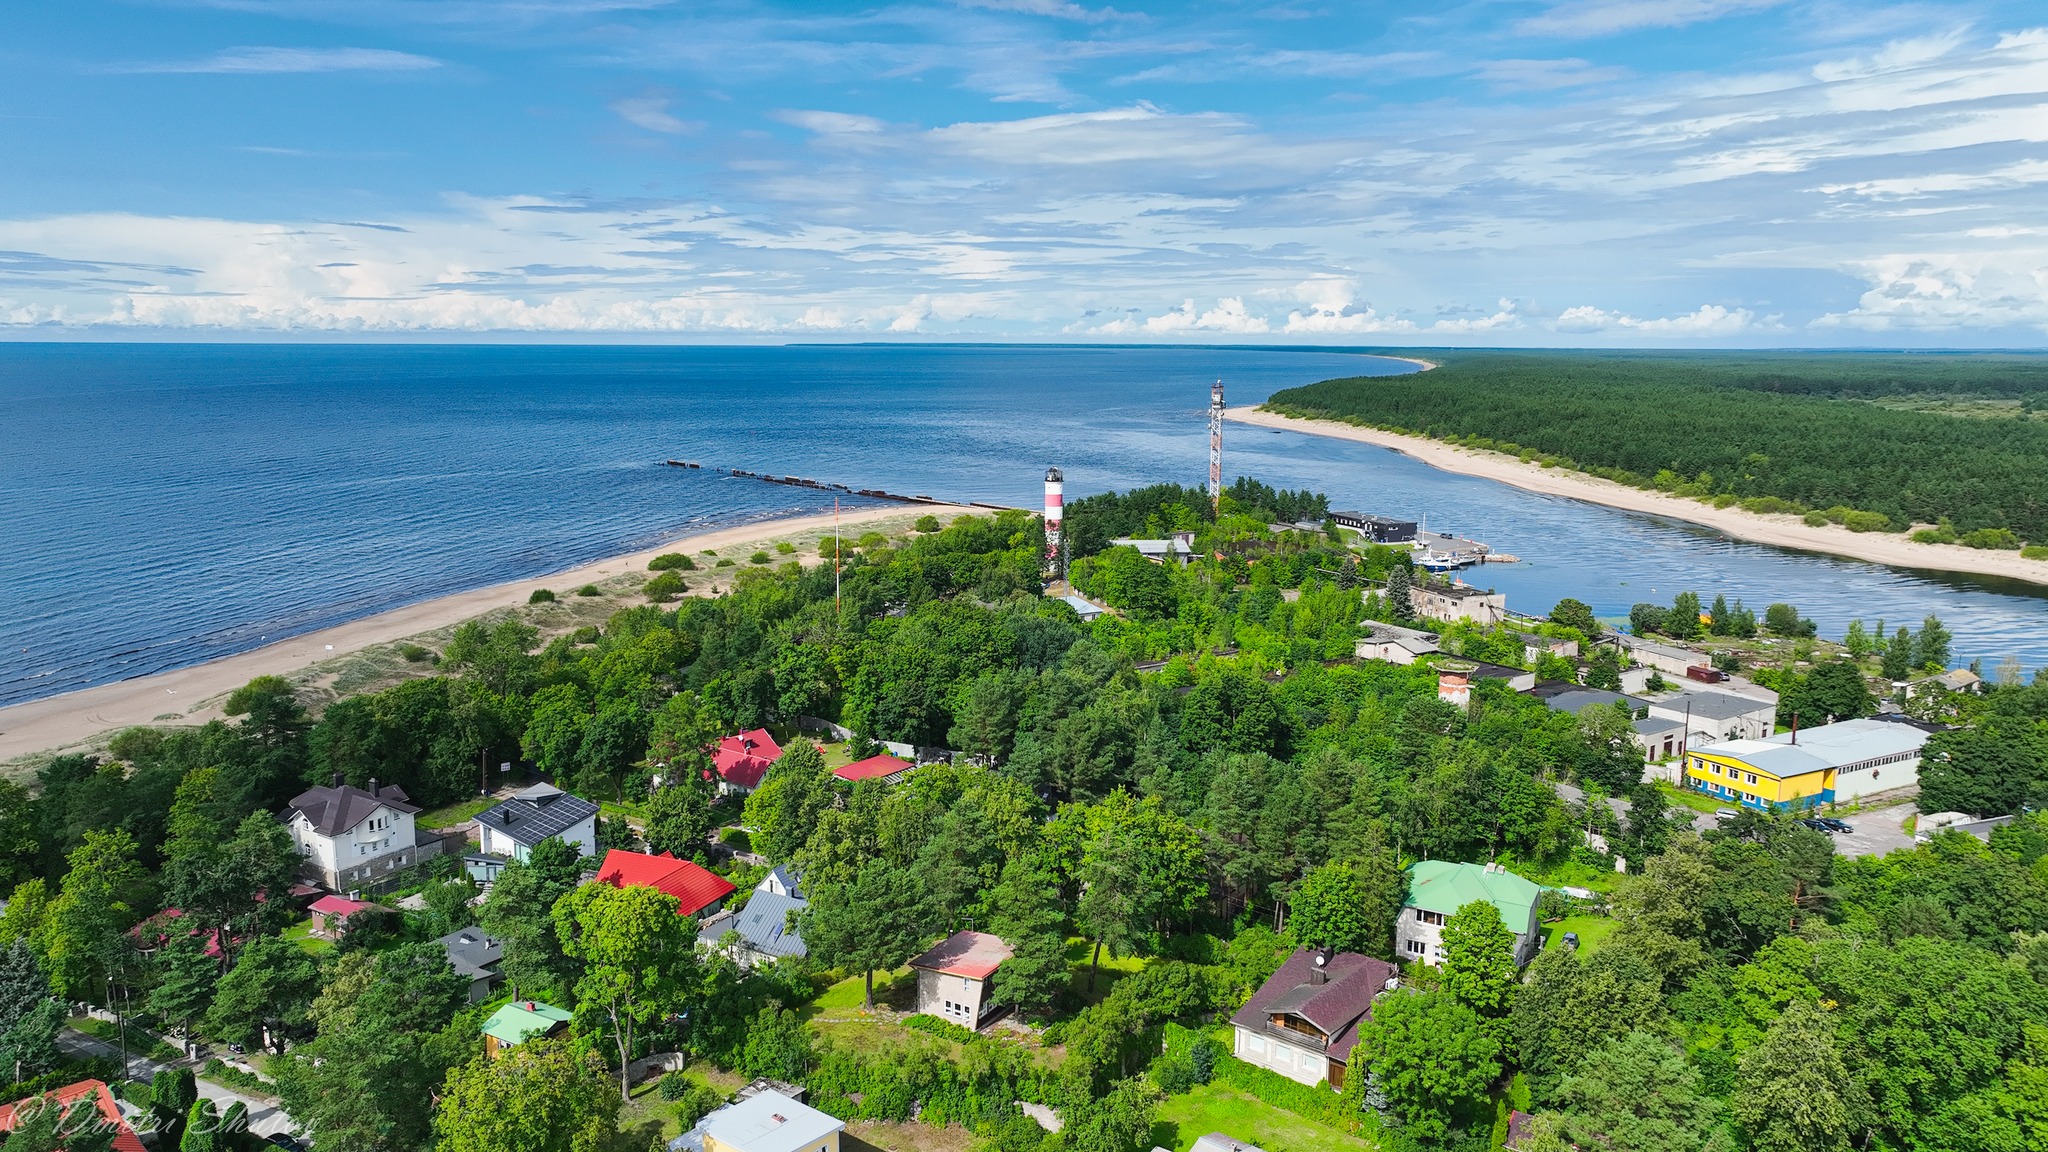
x: 952, y: 978
x: 1711, y: 715
x: 1438, y: 888
x: 1669, y: 659
x: 1824, y: 765
x: 513, y: 828
x: 1303, y: 1023
x: 1088, y: 610
x: 1178, y: 548
x: 1661, y: 740
x: 1457, y: 601
x: 1394, y: 644
x: 349, y: 837
x: 1535, y: 646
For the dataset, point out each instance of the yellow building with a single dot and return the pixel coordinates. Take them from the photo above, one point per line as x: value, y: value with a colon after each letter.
x: 1843, y: 761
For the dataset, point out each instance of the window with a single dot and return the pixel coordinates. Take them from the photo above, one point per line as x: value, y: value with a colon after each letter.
x: 1415, y: 947
x: 1749, y: 778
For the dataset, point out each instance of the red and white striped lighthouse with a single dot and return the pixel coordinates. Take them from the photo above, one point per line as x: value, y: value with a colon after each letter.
x: 1055, y: 498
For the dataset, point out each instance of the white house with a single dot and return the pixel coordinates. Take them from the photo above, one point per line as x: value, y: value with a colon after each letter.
x: 1716, y: 716
x: 512, y: 829
x: 1303, y: 1021
x: 1438, y: 888
x: 349, y: 837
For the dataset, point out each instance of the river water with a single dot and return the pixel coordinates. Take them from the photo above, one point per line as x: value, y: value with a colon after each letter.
x: 168, y: 504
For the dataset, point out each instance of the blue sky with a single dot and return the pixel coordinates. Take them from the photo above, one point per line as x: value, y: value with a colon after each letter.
x: 1572, y: 172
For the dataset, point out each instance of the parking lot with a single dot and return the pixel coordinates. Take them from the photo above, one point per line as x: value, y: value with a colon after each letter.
x: 1878, y: 831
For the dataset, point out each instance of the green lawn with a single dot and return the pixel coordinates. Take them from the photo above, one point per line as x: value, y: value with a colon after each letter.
x: 1181, y: 1120
x: 454, y: 813
x: 1697, y: 801
x: 1591, y: 929
x: 302, y: 935
x: 896, y: 989
x: 1113, y: 969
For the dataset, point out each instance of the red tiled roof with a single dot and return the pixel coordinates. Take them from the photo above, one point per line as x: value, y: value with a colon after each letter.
x: 873, y: 768
x: 975, y: 955
x: 336, y: 906
x: 125, y: 1139
x: 695, y: 888
x: 743, y: 759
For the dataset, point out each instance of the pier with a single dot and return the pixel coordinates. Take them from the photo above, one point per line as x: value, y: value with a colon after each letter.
x: 826, y: 486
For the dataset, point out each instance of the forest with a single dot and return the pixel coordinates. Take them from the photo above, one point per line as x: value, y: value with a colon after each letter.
x: 1780, y: 432
x: 1153, y: 810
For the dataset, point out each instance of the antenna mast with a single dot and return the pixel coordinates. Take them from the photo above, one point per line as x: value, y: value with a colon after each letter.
x: 1216, y: 449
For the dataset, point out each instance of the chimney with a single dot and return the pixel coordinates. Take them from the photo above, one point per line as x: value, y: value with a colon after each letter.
x: 1318, y: 973
x: 1795, y: 728
x: 373, y: 785
x: 334, y: 780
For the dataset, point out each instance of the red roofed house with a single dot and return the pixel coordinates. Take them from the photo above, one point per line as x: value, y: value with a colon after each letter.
x: 743, y: 759
x: 696, y: 889
x: 886, y: 768
x: 331, y: 914
x: 952, y: 978
x: 1303, y: 1022
x: 71, y: 1099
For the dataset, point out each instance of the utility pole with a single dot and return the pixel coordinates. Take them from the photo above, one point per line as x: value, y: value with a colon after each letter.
x: 835, y: 559
x: 1216, y: 450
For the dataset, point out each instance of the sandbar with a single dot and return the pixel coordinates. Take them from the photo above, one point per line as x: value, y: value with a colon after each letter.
x: 1780, y: 531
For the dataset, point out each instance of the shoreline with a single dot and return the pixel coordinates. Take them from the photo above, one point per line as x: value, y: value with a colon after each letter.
x: 1781, y: 531
x: 72, y: 720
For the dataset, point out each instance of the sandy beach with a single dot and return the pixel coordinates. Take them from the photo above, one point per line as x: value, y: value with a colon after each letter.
x: 76, y: 719
x: 1781, y: 531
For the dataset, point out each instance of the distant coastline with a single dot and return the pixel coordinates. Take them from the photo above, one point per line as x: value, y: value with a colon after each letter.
x: 193, y: 695
x: 1757, y: 528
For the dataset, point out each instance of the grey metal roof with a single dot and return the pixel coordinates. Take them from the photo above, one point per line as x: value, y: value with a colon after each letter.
x: 1652, y: 725
x: 763, y: 924
x: 1576, y: 700
x: 472, y: 952
x: 1715, y: 705
x: 536, y: 814
x: 786, y: 876
x: 334, y: 810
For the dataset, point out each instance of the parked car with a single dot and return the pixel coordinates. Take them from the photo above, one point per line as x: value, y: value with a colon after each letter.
x: 1724, y: 815
x: 1815, y: 823
x: 1834, y: 825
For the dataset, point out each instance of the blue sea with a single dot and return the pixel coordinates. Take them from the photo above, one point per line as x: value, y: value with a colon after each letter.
x: 165, y: 505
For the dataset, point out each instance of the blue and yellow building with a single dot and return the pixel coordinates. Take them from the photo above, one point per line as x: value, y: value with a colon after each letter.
x: 1843, y: 761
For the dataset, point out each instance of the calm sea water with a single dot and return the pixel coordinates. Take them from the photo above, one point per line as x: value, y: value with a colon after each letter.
x: 164, y: 505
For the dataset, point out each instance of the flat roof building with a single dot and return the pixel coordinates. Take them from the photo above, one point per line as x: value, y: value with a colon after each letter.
x: 1834, y: 762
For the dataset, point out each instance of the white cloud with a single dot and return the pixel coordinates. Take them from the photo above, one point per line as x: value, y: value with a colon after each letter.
x: 1608, y: 17
x: 830, y: 123
x: 649, y: 110
x: 271, y: 60
x: 2003, y: 288
x: 1706, y: 320
x: 1058, y: 8
x: 1229, y: 315
x: 1329, y: 308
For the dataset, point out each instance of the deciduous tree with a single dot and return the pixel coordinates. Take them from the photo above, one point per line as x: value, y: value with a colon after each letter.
x: 636, y: 958
x: 540, y: 1096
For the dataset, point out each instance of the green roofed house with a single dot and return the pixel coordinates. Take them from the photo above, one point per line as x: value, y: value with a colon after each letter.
x: 521, y: 1020
x: 1438, y: 888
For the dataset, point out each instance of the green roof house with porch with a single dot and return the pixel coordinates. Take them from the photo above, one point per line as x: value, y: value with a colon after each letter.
x: 1438, y: 888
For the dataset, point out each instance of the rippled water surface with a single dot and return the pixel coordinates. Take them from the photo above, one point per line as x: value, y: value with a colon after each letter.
x: 165, y: 505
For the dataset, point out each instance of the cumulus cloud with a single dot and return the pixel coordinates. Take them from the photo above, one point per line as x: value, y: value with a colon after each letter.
x: 1948, y: 291
x: 1329, y: 308
x: 1229, y: 315
x: 272, y: 60
x: 1706, y: 320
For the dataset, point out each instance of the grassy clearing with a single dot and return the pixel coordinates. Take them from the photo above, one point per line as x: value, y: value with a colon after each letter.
x: 1591, y: 929
x: 454, y: 813
x: 1570, y: 874
x: 864, y: 1135
x: 1182, y: 1120
x: 1114, y: 968
x: 1697, y: 801
x: 302, y: 935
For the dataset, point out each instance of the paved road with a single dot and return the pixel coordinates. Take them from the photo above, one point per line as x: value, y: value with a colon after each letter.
x: 265, y: 1115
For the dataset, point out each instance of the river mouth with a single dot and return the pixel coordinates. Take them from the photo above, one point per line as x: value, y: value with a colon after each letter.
x: 170, y: 504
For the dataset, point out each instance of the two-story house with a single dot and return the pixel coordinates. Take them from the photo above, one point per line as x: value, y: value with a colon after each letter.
x: 1304, y: 1021
x: 1437, y: 889
x: 953, y: 977
x: 349, y: 837
x: 513, y: 828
